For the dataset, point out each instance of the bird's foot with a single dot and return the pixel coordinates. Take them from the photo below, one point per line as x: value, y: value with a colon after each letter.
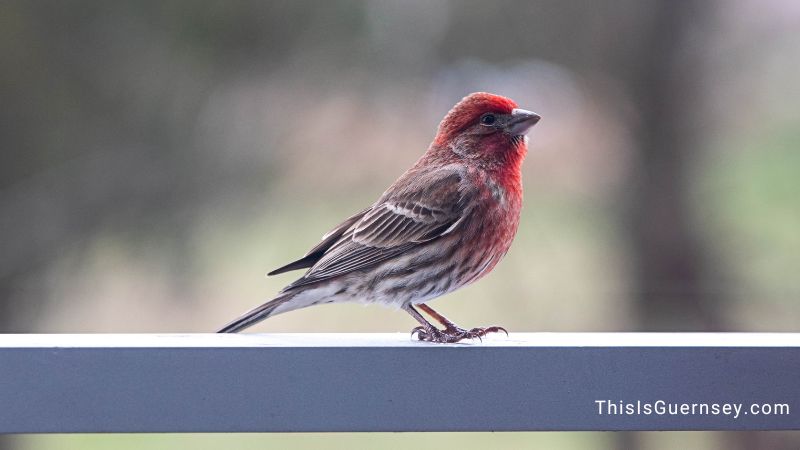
x: 453, y: 333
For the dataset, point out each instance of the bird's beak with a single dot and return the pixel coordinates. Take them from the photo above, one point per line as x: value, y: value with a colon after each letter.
x: 521, y: 121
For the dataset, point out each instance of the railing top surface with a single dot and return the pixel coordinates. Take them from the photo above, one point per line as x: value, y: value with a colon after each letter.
x: 323, y: 340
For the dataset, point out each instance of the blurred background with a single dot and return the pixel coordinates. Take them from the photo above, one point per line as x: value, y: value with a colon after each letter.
x: 159, y: 157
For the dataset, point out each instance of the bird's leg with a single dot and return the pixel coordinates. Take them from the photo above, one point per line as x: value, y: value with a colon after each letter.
x: 438, y: 317
x: 451, y: 333
x: 426, y: 331
x: 457, y: 332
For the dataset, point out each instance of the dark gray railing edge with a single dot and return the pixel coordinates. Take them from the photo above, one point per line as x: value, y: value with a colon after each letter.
x: 68, y: 383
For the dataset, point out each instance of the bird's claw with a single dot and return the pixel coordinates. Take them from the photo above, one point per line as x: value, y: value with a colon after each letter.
x: 453, y: 334
x: 429, y: 334
x: 483, y: 331
x: 420, y: 332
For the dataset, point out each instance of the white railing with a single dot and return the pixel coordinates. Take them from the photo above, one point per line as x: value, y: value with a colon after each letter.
x: 386, y: 382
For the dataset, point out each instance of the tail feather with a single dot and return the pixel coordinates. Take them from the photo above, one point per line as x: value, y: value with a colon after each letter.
x: 255, y: 315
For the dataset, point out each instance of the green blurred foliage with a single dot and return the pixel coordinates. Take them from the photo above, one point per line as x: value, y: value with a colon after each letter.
x: 336, y: 441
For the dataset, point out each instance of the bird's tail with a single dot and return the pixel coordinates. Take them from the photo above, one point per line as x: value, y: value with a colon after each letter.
x: 256, y: 315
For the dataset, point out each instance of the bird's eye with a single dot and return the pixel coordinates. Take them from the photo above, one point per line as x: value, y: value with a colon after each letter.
x: 488, y: 119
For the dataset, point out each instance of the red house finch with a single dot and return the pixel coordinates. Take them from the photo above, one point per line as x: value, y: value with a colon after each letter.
x: 442, y: 225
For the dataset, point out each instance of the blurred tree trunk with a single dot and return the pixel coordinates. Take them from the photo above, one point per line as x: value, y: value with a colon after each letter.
x: 676, y: 277
x: 670, y: 257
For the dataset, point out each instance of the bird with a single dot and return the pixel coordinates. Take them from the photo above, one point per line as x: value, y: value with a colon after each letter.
x: 445, y: 223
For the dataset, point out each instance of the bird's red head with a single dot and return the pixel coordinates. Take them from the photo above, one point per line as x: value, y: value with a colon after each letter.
x: 486, y: 126
x: 468, y: 112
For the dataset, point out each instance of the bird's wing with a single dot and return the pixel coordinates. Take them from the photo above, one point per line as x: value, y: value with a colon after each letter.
x: 413, y: 215
x: 313, y: 255
x: 416, y: 209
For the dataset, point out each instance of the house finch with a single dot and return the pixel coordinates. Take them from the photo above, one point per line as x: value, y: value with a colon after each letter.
x: 442, y: 225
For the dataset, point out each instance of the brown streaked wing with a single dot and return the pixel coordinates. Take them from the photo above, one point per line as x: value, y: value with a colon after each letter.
x: 404, y: 217
x: 415, y: 216
x: 313, y: 255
